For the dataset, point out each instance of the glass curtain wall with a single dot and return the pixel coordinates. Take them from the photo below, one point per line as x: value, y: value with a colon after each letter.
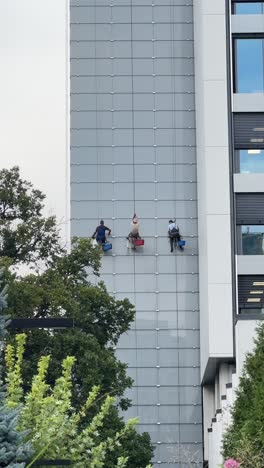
x: 133, y: 150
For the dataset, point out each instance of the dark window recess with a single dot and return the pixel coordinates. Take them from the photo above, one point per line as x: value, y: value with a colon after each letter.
x: 249, y: 208
x: 249, y: 130
x: 246, y: 1
x: 250, y: 293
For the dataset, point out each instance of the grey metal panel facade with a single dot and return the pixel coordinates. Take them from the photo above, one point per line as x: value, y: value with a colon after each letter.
x: 133, y: 149
x: 247, y: 283
x: 249, y: 208
x: 248, y: 130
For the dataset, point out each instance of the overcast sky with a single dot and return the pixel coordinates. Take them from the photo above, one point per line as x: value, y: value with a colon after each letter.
x: 33, y: 104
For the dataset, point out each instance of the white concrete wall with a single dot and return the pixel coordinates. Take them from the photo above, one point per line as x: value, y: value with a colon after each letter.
x: 208, y: 411
x: 248, y: 102
x: 245, y: 333
x: 248, y: 183
x: 34, y: 97
x: 247, y: 23
x: 249, y: 264
x: 244, y: 329
x: 213, y: 181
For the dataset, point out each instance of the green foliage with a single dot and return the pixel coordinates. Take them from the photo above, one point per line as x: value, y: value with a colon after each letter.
x: 55, y: 428
x: 65, y: 287
x: 25, y: 234
x: 249, y: 454
x: 137, y: 447
x: 244, y: 439
x: 13, y: 450
x: 14, y: 378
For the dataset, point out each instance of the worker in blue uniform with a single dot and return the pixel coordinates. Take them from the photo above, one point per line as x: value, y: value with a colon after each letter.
x: 100, y: 233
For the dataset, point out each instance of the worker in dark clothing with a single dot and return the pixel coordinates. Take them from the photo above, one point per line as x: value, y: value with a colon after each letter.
x: 99, y: 233
x: 174, y: 234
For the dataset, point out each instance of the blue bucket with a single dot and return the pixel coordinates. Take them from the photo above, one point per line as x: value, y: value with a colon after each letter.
x: 107, y: 247
x: 181, y: 243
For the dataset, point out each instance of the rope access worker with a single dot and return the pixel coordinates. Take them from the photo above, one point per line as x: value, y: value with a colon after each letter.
x: 99, y: 233
x: 174, y: 234
x: 134, y: 229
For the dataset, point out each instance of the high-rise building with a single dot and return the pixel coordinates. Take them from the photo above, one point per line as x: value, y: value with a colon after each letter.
x: 229, y: 40
x: 167, y: 121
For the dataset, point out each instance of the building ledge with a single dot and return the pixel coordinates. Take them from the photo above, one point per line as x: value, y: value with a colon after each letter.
x: 212, y: 367
x: 247, y: 24
x: 250, y: 264
x: 252, y: 102
x: 254, y: 317
x: 248, y: 183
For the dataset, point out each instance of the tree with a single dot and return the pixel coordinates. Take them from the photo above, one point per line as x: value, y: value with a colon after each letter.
x: 13, y: 450
x: 99, y: 322
x: 137, y: 448
x: 244, y: 439
x: 25, y: 235
x: 64, y: 289
x: 55, y: 428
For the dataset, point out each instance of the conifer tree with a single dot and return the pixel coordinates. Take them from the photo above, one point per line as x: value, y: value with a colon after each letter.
x: 13, y: 451
x: 244, y: 439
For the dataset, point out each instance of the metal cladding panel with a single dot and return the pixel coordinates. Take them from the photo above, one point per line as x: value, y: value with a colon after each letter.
x: 248, y: 130
x: 133, y: 149
x: 249, y: 208
x: 250, y: 291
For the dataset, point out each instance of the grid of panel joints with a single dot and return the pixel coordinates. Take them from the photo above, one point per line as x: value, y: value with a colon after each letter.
x: 148, y: 119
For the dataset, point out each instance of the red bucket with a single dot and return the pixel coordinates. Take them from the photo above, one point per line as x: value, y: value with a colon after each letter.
x: 139, y: 242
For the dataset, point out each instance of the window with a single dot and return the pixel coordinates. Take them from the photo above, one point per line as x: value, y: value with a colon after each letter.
x: 248, y: 8
x: 251, y: 294
x: 249, y: 65
x: 250, y: 161
x: 251, y: 311
x: 251, y: 240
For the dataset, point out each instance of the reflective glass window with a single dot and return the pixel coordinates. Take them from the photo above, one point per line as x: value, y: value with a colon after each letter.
x: 249, y: 65
x: 252, y: 240
x: 248, y: 8
x: 251, y: 161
